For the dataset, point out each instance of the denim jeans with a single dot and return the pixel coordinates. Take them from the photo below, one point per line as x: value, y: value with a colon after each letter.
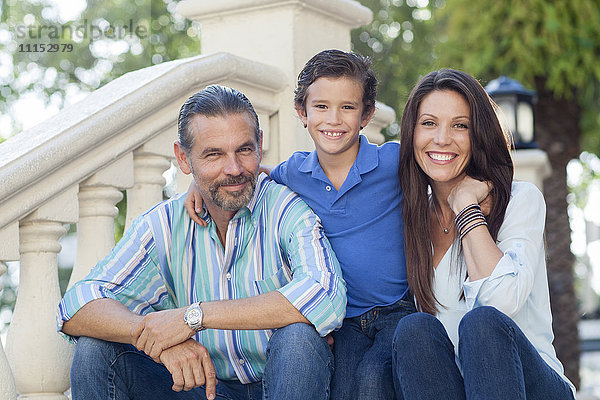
x: 299, y: 366
x: 498, y: 361
x: 363, y: 353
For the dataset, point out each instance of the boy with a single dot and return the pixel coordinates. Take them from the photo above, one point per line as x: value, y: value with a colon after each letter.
x: 352, y: 185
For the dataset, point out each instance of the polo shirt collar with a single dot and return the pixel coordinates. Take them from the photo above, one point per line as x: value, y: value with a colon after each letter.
x: 366, y: 160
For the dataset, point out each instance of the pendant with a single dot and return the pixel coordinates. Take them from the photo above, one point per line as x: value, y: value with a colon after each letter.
x: 446, y: 230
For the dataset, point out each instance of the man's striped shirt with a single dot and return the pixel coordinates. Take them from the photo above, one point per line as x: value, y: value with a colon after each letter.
x: 165, y: 260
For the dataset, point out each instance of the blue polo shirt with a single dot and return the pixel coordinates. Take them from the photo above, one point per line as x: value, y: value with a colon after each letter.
x: 363, y: 220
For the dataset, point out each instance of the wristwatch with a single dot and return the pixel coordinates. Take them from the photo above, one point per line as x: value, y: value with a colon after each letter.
x: 193, y: 317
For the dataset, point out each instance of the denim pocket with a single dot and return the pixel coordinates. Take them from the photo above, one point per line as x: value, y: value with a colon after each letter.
x: 280, y: 278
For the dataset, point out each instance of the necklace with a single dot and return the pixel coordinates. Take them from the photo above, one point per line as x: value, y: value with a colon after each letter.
x: 445, y: 230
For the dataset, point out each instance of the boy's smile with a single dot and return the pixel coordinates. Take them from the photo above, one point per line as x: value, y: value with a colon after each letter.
x: 334, y: 116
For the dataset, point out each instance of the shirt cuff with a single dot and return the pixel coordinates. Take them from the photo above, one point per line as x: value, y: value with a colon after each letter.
x: 505, y: 266
x: 313, y: 301
x: 75, y: 298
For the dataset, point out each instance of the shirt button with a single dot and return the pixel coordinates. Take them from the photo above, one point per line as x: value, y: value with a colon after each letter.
x: 228, y: 275
x: 328, y: 188
x: 241, y: 361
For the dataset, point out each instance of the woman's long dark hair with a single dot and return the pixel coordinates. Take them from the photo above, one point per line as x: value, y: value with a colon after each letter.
x: 490, y: 161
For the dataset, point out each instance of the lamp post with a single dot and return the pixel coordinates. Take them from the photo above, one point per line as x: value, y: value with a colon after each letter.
x: 516, y: 104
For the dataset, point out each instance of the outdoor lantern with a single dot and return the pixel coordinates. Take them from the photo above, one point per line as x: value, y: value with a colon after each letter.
x: 516, y: 104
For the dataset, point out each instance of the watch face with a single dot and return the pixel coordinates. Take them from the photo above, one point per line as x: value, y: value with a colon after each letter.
x: 193, y: 315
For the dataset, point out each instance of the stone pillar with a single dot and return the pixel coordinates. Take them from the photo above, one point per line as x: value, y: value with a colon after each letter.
x: 282, y: 33
x: 150, y: 161
x: 98, y: 196
x: 531, y: 165
x: 38, y: 356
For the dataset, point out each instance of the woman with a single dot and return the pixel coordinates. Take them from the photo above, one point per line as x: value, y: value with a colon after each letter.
x: 475, y: 255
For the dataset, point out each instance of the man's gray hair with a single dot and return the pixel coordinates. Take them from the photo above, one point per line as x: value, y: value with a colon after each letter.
x: 213, y: 101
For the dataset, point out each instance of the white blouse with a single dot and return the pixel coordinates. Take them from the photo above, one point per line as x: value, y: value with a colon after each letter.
x: 518, y: 286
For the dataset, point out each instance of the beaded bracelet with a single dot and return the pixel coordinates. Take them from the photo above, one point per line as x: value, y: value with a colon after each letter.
x: 464, y: 210
x: 469, y: 218
x: 470, y: 228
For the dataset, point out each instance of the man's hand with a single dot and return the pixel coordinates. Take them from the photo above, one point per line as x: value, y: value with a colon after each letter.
x: 190, y: 366
x: 159, y: 331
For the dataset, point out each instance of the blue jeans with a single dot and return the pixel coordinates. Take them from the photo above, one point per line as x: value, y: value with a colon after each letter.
x: 497, y: 359
x: 299, y: 366
x: 363, y: 353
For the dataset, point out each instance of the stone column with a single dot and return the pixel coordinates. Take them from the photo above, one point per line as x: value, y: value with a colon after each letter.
x: 38, y: 356
x: 282, y: 33
x: 531, y: 165
x: 150, y: 161
x: 98, y: 196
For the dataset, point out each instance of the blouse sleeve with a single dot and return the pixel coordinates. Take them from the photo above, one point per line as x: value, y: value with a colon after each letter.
x: 521, y: 239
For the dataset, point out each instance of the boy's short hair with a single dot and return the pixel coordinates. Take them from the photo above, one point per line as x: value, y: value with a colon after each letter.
x: 337, y: 63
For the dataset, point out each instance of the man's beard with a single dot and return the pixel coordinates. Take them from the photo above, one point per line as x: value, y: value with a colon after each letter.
x: 233, y: 201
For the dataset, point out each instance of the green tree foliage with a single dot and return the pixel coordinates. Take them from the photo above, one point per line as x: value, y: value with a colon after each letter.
x: 588, y: 171
x: 551, y: 46
x: 107, y: 39
x: 400, y: 40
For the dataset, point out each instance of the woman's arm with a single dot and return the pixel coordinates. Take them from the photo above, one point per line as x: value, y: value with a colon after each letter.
x: 521, y: 244
x: 479, y: 249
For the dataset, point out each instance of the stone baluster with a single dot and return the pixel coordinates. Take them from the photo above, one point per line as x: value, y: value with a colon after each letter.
x: 150, y: 161
x: 9, y: 250
x: 98, y: 196
x: 38, y: 356
x: 531, y: 165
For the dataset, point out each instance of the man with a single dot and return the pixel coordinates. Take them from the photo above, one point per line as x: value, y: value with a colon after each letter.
x: 201, y: 303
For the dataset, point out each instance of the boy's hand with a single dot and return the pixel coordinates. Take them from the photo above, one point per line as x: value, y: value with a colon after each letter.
x: 193, y: 204
x: 330, y: 341
x: 266, y: 169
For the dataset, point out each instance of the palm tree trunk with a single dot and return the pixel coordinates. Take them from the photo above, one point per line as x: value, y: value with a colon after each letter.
x: 557, y: 130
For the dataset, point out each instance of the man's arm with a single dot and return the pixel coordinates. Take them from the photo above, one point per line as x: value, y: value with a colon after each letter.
x: 269, y: 310
x: 161, y: 330
x: 105, y: 319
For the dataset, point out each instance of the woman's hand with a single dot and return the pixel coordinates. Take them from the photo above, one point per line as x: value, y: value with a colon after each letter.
x: 471, y: 191
x: 193, y: 204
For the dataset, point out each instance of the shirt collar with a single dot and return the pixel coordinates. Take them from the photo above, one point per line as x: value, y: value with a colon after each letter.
x: 366, y: 160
